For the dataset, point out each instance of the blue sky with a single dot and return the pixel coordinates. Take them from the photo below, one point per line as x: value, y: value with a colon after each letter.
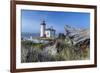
x: 31, y: 19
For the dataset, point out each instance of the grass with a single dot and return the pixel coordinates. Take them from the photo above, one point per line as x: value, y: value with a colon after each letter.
x: 31, y: 44
x: 65, y: 51
x: 47, y: 38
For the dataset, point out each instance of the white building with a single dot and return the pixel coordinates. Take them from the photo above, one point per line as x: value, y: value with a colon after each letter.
x: 49, y: 32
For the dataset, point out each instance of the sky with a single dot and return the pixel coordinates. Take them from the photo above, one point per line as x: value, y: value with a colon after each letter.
x: 31, y: 20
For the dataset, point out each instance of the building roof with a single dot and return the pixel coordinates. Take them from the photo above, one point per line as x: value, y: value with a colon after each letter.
x: 50, y: 29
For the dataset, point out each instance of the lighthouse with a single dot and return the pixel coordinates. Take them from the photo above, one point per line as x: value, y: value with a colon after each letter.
x: 42, y: 29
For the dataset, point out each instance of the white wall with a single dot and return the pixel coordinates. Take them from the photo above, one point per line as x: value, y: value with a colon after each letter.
x: 5, y: 36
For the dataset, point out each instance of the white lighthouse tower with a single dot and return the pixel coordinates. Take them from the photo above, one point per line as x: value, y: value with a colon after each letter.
x: 42, y: 29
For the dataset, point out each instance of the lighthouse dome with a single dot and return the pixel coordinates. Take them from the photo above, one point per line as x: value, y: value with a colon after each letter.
x: 43, y: 23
